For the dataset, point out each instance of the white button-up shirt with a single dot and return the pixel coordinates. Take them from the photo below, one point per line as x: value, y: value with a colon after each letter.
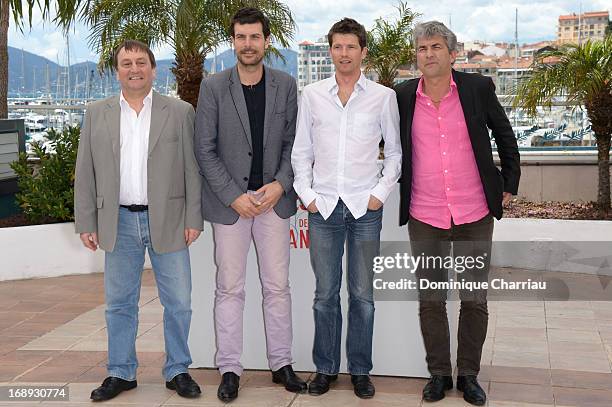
x: 134, y: 136
x: 336, y: 149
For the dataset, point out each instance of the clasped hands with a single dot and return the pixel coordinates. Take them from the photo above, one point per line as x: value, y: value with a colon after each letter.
x: 249, y: 205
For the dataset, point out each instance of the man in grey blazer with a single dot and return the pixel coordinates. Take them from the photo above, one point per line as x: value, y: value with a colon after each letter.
x: 137, y: 187
x: 245, y: 126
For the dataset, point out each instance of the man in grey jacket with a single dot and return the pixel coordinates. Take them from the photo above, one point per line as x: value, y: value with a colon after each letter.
x: 245, y: 126
x: 137, y: 187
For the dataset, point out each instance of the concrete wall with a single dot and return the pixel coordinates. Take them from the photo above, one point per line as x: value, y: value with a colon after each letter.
x: 558, y: 176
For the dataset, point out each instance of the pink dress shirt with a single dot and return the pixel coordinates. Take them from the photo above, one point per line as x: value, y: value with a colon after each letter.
x: 446, y: 185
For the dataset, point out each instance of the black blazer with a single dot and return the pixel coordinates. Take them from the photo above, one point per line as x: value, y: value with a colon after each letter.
x: 481, y: 110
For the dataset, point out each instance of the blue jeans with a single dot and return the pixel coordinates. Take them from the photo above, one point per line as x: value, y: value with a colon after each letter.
x: 327, y: 240
x: 122, y: 280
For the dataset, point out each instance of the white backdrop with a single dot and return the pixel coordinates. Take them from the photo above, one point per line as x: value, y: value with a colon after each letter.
x: 398, y: 346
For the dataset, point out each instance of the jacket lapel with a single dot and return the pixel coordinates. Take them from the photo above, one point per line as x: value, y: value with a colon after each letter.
x: 112, y: 116
x: 465, y: 97
x: 159, y: 116
x: 271, y: 88
x: 407, y: 111
x: 240, y: 103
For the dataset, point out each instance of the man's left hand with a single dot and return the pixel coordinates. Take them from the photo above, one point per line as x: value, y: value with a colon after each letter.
x: 270, y: 194
x: 506, y: 198
x: 191, y: 235
x: 374, y: 204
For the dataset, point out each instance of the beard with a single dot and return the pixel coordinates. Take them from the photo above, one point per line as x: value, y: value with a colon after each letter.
x: 249, y: 62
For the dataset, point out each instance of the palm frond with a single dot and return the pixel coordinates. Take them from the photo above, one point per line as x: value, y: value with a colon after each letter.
x: 389, y: 45
x: 580, y: 72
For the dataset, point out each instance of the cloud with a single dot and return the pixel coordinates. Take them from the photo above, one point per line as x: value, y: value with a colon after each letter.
x: 471, y: 20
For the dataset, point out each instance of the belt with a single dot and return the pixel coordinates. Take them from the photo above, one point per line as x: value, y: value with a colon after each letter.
x: 136, y: 208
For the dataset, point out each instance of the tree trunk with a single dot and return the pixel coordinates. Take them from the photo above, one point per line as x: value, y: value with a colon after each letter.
x: 189, y: 71
x: 603, y: 164
x: 4, y: 25
x: 599, y: 109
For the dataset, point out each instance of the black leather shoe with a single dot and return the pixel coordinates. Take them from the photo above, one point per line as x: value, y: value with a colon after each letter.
x: 472, y: 392
x: 184, y: 385
x: 434, y: 389
x: 228, y: 389
x: 111, y: 387
x: 292, y: 382
x: 320, y: 384
x: 363, y: 386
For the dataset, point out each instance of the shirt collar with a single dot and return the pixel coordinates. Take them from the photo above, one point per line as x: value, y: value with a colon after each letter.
x: 147, y: 100
x: 332, y: 86
x: 453, y: 87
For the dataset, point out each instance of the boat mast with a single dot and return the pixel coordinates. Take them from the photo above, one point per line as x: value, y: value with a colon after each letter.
x: 516, y: 57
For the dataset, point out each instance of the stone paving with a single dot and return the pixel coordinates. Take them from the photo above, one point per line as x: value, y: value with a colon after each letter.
x: 537, y: 353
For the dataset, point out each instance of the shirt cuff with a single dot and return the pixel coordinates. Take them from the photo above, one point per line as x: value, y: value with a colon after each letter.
x: 307, y: 196
x: 380, y: 192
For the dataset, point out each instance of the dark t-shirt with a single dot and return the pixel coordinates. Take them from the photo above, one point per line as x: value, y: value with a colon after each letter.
x: 255, y: 97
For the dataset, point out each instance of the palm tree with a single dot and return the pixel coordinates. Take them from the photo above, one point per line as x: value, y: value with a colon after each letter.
x: 193, y: 28
x: 389, y: 45
x: 66, y: 11
x: 583, y: 73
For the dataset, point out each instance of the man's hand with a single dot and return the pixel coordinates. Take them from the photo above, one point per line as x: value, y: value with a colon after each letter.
x: 246, y: 205
x: 191, y: 235
x: 90, y: 240
x: 312, y: 207
x: 507, y: 197
x: 269, y: 195
x: 374, y: 204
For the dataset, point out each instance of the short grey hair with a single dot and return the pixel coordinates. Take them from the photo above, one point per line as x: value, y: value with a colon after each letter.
x: 430, y: 29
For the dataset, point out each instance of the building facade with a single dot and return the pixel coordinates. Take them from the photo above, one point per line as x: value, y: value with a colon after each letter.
x: 314, y: 62
x: 575, y: 28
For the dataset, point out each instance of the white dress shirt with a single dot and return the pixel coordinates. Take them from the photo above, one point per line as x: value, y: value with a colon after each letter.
x: 134, y: 136
x: 336, y: 149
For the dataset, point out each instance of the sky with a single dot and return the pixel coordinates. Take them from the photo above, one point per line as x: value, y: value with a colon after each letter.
x: 469, y: 19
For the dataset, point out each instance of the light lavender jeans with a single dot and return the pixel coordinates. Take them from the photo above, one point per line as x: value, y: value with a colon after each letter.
x: 271, y: 236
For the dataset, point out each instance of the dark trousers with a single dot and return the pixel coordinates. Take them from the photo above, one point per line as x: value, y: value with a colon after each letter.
x: 467, y: 240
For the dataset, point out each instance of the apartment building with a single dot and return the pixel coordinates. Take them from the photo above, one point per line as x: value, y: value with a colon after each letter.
x: 574, y: 28
x: 314, y: 62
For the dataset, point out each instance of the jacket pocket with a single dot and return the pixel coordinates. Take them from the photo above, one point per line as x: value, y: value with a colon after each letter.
x: 99, y: 202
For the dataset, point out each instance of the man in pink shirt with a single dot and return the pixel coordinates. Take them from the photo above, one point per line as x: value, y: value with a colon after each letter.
x: 450, y: 191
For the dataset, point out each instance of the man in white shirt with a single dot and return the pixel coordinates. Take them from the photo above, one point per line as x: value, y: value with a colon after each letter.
x: 339, y: 128
x: 137, y: 188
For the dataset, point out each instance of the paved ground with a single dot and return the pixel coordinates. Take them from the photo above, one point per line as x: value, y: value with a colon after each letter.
x: 537, y: 353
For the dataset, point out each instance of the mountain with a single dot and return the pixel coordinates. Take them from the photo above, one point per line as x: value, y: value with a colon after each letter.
x: 227, y: 59
x: 31, y: 75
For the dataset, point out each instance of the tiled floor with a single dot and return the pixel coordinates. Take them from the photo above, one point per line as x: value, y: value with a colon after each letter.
x: 537, y: 353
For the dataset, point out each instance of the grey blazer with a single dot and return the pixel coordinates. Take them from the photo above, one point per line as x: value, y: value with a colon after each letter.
x: 174, y: 183
x: 223, y: 144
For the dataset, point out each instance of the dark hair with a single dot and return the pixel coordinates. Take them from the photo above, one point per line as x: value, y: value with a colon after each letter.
x: 133, y: 45
x: 348, y: 26
x: 250, y: 15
